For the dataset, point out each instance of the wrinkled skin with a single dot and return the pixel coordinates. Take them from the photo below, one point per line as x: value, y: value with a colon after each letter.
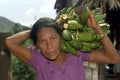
x: 49, y: 43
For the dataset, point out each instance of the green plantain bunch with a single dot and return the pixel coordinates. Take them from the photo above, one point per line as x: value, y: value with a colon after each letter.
x: 76, y: 34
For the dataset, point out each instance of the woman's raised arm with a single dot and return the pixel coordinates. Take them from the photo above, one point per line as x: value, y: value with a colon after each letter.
x: 15, y: 44
x: 109, y: 55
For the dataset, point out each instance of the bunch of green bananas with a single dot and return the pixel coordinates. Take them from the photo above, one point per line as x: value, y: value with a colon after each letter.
x: 76, y: 34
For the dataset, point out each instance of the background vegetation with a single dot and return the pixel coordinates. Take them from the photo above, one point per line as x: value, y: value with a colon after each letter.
x: 20, y: 71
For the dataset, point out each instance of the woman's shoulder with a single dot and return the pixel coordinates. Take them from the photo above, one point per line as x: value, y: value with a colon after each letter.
x: 83, y: 55
x: 35, y: 54
x: 34, y: 49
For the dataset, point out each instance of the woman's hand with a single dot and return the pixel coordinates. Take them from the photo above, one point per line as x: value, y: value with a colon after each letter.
x: 91, y: 20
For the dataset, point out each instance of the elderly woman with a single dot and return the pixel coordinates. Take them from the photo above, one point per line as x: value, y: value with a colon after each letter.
x: 46, y: 56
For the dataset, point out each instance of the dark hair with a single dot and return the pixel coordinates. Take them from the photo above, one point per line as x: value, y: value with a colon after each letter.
x: 43, y: 22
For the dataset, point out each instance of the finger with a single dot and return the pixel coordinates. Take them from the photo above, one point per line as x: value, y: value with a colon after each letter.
x: 89, y: 23
x: 90, y: 13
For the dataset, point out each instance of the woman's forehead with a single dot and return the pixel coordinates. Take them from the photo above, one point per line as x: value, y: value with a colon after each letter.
x: 47, y: 32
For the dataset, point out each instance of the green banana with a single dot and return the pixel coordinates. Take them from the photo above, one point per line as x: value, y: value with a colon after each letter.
x: 86, y: 37
x: 67, y: 35
x: 90, y: 30
x: 105, y: 27
x: 63, y: 46
x: 72, y: 50
x: 99, y: 37
x: 107, y: 32
x: 75, y: 43
x: 89, y: 4
x: 72, y: 24
x: 93, y: 45
x: 85, y: 49
x: 73, y: 17
x: 99, y: 17
x: 69, y: 10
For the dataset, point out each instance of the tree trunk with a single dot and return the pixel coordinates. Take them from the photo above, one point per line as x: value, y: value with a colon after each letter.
x: 5, y: 59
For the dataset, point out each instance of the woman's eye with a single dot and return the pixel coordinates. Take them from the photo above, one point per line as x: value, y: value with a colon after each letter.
x: 53, y: 37
x: 41, y: 42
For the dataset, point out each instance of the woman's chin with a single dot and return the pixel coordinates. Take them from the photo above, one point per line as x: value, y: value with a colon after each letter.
x: 52, y: 58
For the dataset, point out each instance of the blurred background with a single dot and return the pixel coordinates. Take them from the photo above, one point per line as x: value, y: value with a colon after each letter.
x: 19, y: 15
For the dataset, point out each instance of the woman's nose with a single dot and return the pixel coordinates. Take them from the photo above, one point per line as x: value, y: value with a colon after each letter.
x: 49, y: 44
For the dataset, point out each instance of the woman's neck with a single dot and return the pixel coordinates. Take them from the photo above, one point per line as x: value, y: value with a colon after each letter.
x: 61, y: 58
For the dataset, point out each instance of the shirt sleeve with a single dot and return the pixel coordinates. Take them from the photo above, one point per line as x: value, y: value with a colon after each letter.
x: 84, y: 56
x: 34, y: 56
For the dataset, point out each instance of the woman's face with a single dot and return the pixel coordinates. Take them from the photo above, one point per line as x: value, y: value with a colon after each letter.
x: 49, y: 42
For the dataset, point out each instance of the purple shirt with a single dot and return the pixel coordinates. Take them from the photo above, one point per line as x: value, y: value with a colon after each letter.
x: 72, y: 69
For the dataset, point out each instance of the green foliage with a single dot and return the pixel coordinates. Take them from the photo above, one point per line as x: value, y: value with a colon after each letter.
x: 21, y: 71
x: 17, y: 28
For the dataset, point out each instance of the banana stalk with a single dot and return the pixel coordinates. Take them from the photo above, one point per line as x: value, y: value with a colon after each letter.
x: 76, y: 34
